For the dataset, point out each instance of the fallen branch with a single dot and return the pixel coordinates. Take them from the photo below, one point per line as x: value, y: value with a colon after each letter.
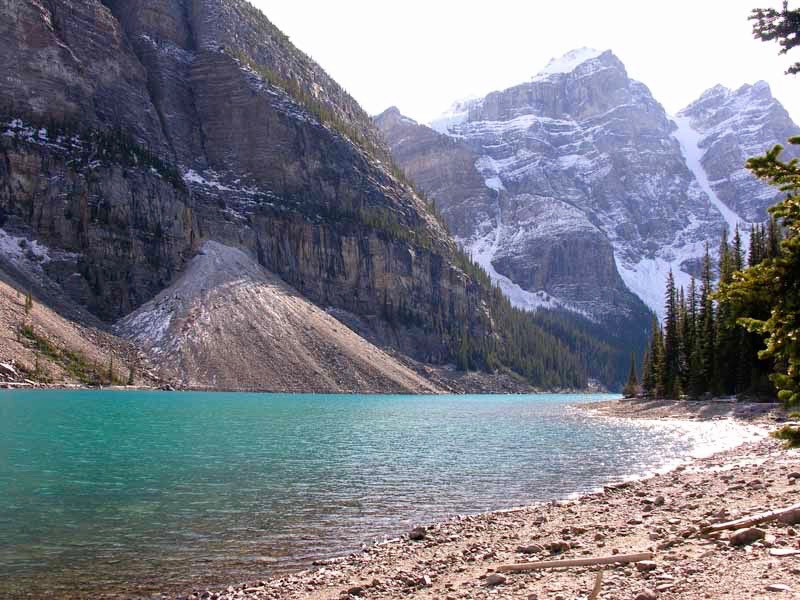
x: 598, y: 586
x: 753, y: 520
x: 575, y: 562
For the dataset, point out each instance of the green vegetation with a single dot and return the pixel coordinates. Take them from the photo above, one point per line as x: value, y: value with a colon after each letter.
x: 89, y: 147
x: 702, y: 347
x: 789, y: 434
x: 741, y: 338
x: 766, y: 296
x: 73, y: 363
x: 631, y: 388
x: 781, y: 26
x: 323, y: 111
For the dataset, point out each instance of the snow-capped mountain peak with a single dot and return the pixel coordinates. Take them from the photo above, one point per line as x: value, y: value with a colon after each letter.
x: 568, y: 63
x: 456, y: 114
x: 577, y: 189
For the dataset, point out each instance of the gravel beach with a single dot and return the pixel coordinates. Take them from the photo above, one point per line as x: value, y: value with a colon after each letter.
x: 665, y: 515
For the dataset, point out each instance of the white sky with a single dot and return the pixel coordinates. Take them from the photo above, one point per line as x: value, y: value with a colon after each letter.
x: 421, y: 55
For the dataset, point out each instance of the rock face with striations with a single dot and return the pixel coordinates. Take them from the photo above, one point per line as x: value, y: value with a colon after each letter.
x: 732, y: 126
x: 135, y: 131
x: 591, y: 192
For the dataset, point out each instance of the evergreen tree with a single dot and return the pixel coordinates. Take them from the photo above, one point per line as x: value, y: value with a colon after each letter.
x: 737, y: 251
x: 781, y: 26
x: 685, y: 342
x: 651, y: 373
x: 648, y: 374
x: 632, y: 385
x: 770, y: 291
x: 774, y: 237
x: 706, y: 335
x: 671, y: 345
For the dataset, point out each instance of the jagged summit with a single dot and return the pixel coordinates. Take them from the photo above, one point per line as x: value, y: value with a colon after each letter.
x: 588, y: 184
x: 568, y: 62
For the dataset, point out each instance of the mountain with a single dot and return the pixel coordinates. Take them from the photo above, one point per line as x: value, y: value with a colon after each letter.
x: 577, y: 190
x: 728, y: 127
x: 145, y: 142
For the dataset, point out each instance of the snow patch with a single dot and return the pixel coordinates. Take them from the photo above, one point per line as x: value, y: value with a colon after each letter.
x: 455, y: 115
x: 19, y: 249
x: 567, y: 63
x: 689, y: 139
x: 648, y: 279
x: 483, y: 251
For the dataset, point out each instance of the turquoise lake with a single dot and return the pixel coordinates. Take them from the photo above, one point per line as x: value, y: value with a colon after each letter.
x: 132, y: 493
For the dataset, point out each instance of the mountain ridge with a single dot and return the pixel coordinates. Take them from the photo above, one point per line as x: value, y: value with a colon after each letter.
x: 204, y: 123
x: 601, y: 154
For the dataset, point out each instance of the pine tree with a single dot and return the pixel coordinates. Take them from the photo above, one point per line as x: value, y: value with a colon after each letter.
x: 685, y: 342
x: 773, y: 240
x: 781, y: 26
x: 671, y: 344
x: 706, y: 336
x: 653, y: 358
x: 737, y: 254
x: 631, y: 388
x: 769, y: 291
x: 648, y: 374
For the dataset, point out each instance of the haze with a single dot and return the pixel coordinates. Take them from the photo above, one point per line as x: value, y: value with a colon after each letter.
x: 423, y: 55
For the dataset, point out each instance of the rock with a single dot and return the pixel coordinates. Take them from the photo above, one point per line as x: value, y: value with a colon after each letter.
x: 781, y: 552
x: 356, y: 590
x: 496, y: 579
x: 779, y: 587
x: 558, y: 547
x: 8, y: 370
x: 744, y: 537
x: 659, y: 501
x: 418, y: 533
x: 645, y: 566
x: 530, y: 549
x: 647, y: 594
x: 791, y: 518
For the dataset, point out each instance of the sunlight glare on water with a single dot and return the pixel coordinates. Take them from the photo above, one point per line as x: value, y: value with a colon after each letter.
x: 141, y: 492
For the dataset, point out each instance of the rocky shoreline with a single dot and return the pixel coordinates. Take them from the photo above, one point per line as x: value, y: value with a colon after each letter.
x: 663, y: 515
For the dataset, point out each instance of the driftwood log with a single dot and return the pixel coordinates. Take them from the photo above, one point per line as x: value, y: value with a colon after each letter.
x: 763, y: 517
x: 575, y: 562
x: 598, y: 586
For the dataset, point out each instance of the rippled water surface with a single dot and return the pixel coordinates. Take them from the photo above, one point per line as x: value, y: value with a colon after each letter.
x: 130, y: 493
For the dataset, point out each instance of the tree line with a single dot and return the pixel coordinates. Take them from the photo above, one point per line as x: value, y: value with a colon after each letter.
x: 740, y: 336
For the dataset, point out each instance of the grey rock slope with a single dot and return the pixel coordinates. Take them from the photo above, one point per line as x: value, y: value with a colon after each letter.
x: 132, y: 132
x: 228, y: 323
x: 577, y: 190
x: 732, y: 126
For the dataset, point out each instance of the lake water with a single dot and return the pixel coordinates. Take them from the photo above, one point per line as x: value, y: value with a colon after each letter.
x: 131, y: 493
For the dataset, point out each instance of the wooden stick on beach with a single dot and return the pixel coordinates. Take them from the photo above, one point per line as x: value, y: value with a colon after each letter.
x: 575, y: 562
x: 598, y: 586
x: 763, y: 517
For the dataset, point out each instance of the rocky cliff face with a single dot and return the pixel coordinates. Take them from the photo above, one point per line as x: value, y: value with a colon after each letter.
x: 729, y: 127
x: 591, y: 192
x: 134, y: 131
